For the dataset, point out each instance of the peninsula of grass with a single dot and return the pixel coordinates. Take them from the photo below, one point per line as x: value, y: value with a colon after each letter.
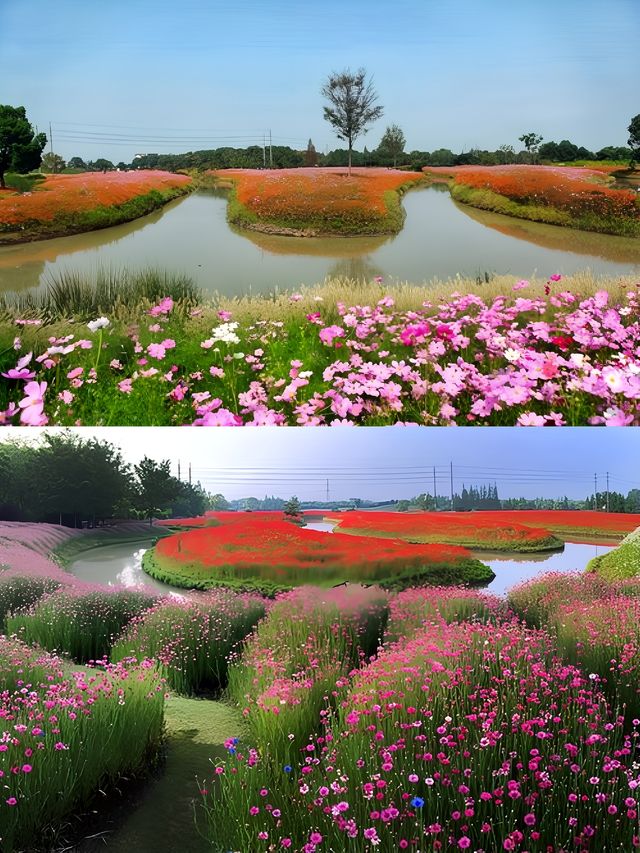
x: 70, y: 204
x: 318, y: 202
x: 569, y: 196
x: 269, y: 556
x: 489, y: 531
x: 585, y: 526
x: 621, y: 563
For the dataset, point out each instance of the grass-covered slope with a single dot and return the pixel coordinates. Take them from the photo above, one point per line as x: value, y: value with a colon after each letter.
x: 622, y: 562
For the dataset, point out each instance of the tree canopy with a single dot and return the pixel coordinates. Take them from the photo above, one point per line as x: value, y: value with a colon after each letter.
x: 352, y: 105
x: 634, y: 138
x: 392, y: 143
x: 20, y: 147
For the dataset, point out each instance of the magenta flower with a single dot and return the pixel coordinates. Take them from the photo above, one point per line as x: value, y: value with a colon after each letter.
x: 32, y: 404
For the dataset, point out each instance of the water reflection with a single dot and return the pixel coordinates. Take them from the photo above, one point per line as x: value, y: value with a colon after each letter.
x: 440, y: 239
x: 119, y: 564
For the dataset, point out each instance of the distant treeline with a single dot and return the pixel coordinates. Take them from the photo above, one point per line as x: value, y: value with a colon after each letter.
x: 283, y: 157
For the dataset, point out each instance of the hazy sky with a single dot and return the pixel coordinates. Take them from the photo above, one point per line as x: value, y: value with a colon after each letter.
x: 383, y: 462
x: 118, y: 78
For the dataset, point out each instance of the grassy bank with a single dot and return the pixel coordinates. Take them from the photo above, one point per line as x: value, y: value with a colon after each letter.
x: 318, y: 202
x: 67, y: 552
x: 70, y: 204
x: 568, y: 196
x: 623, y: 562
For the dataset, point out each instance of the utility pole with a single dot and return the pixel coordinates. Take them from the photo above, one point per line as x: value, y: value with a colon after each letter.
x: 451, y: 481
x: 435, y: 494
x: 189, y: 473
x: 327, y: 490
x: 50, y: 138
x: 264, y: 151
x: 270, y: 152
x: 595, y: 492
x: 607, y: 491
x: 178, y: 469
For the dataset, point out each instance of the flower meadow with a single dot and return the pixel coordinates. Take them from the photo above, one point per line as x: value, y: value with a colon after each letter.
x: 64, y: 195
x: 557, y: 359
x: 473, y: 530
x: 578, y: 196
x: 65, y: 732
x: 248, y: 551
x: 318, y: 201
x: 463, y: 736
x: 433, y: 718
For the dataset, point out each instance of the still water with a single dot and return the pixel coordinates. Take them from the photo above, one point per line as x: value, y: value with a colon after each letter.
x: 118, y: 564
x: 439, y: 240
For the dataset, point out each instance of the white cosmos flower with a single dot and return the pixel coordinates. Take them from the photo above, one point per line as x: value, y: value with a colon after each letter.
x: 511, y: 354
x: 100, y: 323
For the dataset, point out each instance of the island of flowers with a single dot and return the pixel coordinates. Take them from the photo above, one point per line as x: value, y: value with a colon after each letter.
x: 549, y: 358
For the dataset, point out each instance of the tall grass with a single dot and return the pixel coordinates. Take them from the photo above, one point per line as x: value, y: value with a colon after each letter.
x: 18, y: 592
x: 79, y: 623
x: 67, y: 735
x: 71, y: 294
x: 297, y: 658
x: 192, y: 640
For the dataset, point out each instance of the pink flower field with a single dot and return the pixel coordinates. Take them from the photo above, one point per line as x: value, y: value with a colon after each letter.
x: 557, y: 359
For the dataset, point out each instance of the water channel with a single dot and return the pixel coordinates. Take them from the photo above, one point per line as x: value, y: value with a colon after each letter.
x: 121, y: 564
x: 440, y: 239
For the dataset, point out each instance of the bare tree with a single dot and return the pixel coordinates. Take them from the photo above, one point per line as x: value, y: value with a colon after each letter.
x: 352, y: 105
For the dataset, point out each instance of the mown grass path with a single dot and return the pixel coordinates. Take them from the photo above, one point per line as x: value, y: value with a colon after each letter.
x: 161, y: 816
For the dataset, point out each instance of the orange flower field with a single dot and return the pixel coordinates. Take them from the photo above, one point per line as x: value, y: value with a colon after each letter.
x: 575, y: 190
x: 326, y: 199
x: 72, y: 194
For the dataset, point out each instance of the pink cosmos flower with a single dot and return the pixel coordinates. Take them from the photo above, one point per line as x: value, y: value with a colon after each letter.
x: 32, y: 404
x: 20, y: 371
x: 125, y: 386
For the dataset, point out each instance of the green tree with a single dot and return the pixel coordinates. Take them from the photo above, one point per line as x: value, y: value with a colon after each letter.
x: 73, y: 476
x: 292, y: 509
x: 52, y: 162
x: 76, y: 163
x: 20, y: 147
x: 506, y: 154
x: 352, y: 105
x: 218, y: 503
x: 634, y: 138
x: 155, y: 486
x: 310, y: 155
x: 403, y: 506
x: 102, y: 165
x: 392, y: 143
x: 531, y: 142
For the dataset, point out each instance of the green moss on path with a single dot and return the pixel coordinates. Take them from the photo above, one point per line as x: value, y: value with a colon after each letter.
x: 161, y: 816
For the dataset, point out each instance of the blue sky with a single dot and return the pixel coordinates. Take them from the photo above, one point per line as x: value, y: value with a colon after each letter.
x: 380, y: 462
x: 471, y: 73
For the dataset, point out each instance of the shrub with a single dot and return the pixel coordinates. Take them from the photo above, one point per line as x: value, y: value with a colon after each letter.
x: 20, y: 591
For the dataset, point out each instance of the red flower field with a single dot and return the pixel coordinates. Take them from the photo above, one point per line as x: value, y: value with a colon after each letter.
x: 250, y: 547
x: 69, y: 194
x: 517, y: 529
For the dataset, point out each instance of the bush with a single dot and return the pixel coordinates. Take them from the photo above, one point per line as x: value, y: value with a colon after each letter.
x: 21, y: 591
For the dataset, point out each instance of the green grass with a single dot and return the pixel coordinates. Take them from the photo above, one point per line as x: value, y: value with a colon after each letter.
x: 68, y: 551
x: 623, y: 562
x: 23, y: 183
